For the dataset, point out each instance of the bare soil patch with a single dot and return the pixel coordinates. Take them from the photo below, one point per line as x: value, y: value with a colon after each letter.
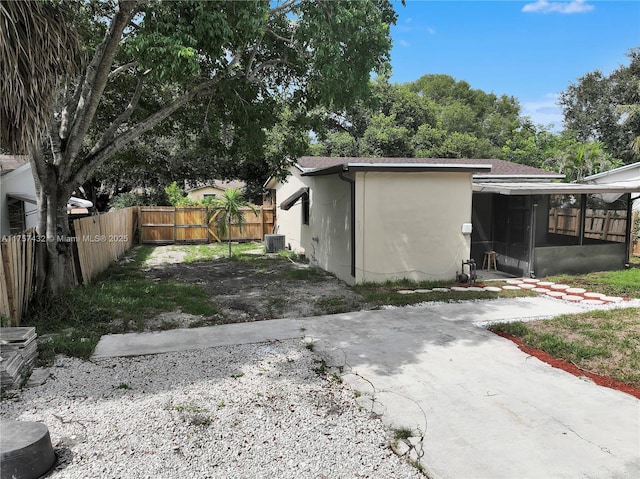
x: 255, y: 287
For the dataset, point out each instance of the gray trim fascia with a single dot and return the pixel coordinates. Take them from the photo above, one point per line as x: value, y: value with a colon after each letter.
x: 399, y: 167
x: 549, y: 188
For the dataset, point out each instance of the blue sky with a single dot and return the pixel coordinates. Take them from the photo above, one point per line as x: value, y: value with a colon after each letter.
x: 531, y: 50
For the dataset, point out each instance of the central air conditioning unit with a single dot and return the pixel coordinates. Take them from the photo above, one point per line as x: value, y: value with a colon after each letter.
x: 273, y: 243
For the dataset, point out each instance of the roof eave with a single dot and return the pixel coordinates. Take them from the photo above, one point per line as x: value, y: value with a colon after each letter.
x: 536, y: 177
x: 550, y: 188
x: 399, y: 167
x: 604, y: 174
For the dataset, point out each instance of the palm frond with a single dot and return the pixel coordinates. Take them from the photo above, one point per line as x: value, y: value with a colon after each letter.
x: 38, y: 46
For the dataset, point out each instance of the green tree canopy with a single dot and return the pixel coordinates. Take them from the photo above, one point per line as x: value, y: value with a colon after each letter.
x: 434, y: 116
x: 225, y: 70
x: 600, y: 108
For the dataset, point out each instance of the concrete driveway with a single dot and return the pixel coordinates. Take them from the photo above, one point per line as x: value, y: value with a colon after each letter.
x: 482, y: 408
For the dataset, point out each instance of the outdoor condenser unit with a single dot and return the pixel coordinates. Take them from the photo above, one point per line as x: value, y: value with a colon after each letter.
x: 273, y: 243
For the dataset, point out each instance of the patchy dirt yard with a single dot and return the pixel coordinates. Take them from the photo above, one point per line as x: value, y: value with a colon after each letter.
x: 251, y: 287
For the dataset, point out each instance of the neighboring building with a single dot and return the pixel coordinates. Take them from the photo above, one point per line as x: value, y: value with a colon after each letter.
x: 628, y: 175
x: 211, y: 190
x: 375, y: 219
x: 18, y: 211
x: 18, y: 202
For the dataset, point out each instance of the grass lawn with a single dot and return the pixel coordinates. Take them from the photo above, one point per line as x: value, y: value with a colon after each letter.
x: 625, y: 282
x: 603, y: 342
x: 387, y: 294
x: 117, y: 301
x: 209, y: 252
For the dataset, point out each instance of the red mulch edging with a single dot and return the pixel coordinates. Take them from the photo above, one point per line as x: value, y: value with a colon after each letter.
x: 572, y: 368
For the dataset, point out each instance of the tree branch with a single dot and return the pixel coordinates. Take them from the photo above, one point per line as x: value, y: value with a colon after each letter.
x: 96, y: 78
x: 122, y: 68
x: 267, y: 64
x: 94, y: 161
x: 284, y: 6
x: 70, y: 105
x: 285, y: 40
x: 252, y: 56
x: 124, y: 116
x: 54, y: 140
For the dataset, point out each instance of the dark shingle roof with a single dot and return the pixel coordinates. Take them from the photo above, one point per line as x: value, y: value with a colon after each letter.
x: 498, y: 167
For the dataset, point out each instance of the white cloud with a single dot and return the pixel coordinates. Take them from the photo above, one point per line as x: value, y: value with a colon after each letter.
x: 544, y: 111
x: 544, y: 6
x: 404, y: 43
x: 431, y: 31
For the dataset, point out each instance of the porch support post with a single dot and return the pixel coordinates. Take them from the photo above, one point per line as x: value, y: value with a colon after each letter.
x: 627, y: 236
x: 533, y: 207
x: 583, y: 216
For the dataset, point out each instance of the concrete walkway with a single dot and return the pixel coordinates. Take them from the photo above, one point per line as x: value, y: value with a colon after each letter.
x: 484, y: 408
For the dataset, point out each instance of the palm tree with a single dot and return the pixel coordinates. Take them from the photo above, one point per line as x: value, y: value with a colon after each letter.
x: 227, y: 209
x: 582, y: 159
x: 37, y: 47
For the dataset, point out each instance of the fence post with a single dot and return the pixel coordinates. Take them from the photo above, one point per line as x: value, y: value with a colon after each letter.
x: 8, y: 282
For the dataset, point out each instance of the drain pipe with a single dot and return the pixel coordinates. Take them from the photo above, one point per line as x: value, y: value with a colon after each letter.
x: 352, y: 184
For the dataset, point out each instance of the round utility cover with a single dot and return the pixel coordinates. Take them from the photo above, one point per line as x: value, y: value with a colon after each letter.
x: 26, y: 450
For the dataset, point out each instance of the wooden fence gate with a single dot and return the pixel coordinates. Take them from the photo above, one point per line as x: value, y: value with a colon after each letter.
x: 194, y: 224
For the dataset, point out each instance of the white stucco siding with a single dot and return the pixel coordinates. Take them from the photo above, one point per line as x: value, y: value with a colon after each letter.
x: 628, y: 175
x: 409, y: 225
x: 19, y: 181
x: 329, y: 243
x: 289, y: 223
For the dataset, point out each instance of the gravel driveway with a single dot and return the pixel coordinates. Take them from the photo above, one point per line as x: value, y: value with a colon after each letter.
x: 251, y: 411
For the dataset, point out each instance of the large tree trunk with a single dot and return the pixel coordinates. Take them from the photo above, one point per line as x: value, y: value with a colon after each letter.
x: 54, y: 263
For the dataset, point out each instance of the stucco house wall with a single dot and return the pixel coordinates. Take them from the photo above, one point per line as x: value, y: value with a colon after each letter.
x: 19, y: 181
x: 628, y: 175
x: 217, y: 188
x: 198, y: 194
x: 409, y: 225
x: 328, y: 243
x: 289, y: 223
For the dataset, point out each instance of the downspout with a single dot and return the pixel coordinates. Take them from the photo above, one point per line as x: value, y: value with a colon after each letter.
x: 352, y: 184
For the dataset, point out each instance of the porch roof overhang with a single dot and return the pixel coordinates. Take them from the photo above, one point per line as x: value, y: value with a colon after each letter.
x: 554, y: 188
x: 23, y: 197
x: 399, y: 167
x: 290, y: 201
x: 73, y: 201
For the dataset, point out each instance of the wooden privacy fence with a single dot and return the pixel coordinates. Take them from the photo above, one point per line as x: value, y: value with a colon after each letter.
x: 102, y: 239
x: 17, y: 271
x: 99, y: 241
x: 607, y: 225
x: 196, y: 224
